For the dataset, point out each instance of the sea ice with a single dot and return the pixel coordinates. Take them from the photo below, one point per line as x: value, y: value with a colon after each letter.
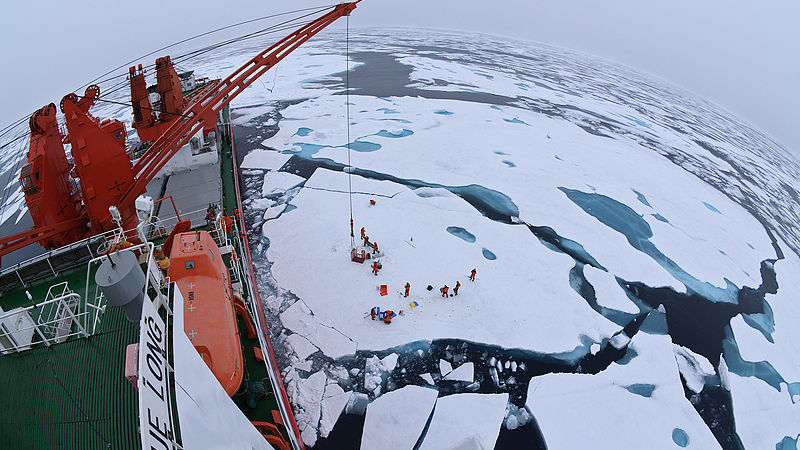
x: 306, y: 396
x: 784, y: 352
x: 610, y: 413
x: 464, y: 372
x: 693, y: 367
x: 397, y: 418
x: 301, y: 346
x: 278, y: 182
x: 264, y: 159
x: 333, y: 403
x: 389, y: 362
x: 763, y: 415
x: 411, y: 231
x: 608, y: 292
x: 445, y: 367
x: 299, y: 319
x: 459, y: 416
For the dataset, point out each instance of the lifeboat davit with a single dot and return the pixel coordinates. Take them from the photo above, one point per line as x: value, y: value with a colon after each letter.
x: 197, y: 269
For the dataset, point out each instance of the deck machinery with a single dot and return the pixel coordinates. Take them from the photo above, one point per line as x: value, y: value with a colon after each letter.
x: 89, y: 210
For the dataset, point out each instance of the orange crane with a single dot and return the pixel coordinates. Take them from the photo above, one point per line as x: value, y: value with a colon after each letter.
x: 61, y: 213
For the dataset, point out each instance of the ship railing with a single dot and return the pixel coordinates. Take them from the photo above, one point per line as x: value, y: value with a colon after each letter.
x: 54, y: 320
x: 52, y: 262
x: 229, y: 242
x: 275, y: 378
x: 161, y: 226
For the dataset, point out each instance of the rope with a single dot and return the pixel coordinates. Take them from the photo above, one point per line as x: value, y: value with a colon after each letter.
x: 347, y: 104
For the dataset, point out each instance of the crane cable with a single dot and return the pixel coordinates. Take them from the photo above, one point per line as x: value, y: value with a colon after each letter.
x: 347, y: 105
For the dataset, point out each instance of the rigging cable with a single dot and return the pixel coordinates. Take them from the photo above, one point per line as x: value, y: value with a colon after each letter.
x: 347, y: 104
x: 201, y: 35
x: 282, y: 26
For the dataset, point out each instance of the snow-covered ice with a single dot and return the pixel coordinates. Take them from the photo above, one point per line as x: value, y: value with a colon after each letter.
x: 333, y: 402
x: 693, y: 367
x: 301, y: 346
x: 299, y: 319
x: 264, y: 159
x: 619, y: 417
x: 397, y: 418
x: 306, y: 396
x: 460, y: 416
x: 764, y: 416
x: 556, y: 316
x: 464, y: 372
x: 445, y: 367
x: 277, y: 182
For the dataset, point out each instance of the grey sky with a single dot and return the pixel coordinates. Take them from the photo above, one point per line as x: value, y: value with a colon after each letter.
x: 742, y: 55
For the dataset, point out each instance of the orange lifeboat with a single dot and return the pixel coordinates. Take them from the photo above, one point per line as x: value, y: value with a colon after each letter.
x: 197, y: 269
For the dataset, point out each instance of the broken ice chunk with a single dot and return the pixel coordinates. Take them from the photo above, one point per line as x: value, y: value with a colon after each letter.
x: 619, y: 341
x: 445, y: 367
x: 464, y: 372
x: 333, y: 404
x: 461, y: 416
x: 389, y: 362
x: 357, y: 404
x: 398, y: 418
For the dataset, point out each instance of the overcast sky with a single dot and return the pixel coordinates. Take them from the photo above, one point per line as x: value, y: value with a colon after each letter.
x: 742, y: 55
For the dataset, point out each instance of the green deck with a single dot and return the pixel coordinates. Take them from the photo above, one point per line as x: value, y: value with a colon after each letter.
x: 72, y: 395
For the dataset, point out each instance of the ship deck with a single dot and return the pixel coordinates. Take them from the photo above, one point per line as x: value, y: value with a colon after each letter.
x: 74, y: 394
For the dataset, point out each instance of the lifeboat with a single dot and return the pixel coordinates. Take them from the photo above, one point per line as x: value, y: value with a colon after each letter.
x: 197, y: 268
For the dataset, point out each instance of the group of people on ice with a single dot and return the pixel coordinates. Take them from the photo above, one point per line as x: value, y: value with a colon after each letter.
x: 387, y: 315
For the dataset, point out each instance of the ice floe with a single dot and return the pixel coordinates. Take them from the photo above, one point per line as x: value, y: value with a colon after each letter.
x: 459, y: 416
x: 397, y: 418
x: 636, y: 405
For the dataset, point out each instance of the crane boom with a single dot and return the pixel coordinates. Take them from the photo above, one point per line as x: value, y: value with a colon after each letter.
x: 211, y: 102
x: 204, y: 106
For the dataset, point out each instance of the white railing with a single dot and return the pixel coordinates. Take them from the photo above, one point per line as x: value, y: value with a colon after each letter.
x: 64, y: 313
x: 161, y: 226
x: 52, y: 320
x: 47, y: 256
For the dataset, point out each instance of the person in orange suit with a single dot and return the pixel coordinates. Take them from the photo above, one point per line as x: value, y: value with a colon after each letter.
x: 374, y: 248
x: 387, y: 317
x: 363, y: 233
x: 408, y: 287
x: 444, y: 290
x: 227, y: 222
x: 455, y: 288
x: 472, y: 275
x: 375, y: 268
